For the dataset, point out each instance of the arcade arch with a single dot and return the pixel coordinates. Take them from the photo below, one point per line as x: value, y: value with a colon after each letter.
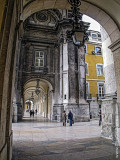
x: 86, y: 8
x: 41, y: 102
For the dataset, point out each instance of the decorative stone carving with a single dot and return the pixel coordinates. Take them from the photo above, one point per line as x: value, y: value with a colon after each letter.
x: 44, y: 19
x: 41, y: 16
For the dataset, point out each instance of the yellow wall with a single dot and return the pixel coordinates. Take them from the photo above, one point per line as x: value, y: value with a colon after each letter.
x: 26, y: 104
x: 2, y: 6
x: 92, y: 60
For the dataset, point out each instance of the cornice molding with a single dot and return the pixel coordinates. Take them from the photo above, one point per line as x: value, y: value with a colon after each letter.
x: 115, y: 46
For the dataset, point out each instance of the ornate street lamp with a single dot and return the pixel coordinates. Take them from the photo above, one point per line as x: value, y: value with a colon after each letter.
x: 79, y: 31
x: 37, y: 91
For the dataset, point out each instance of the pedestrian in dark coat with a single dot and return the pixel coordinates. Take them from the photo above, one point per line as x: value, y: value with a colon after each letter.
x: 70, y: 117
x: 30, y: 113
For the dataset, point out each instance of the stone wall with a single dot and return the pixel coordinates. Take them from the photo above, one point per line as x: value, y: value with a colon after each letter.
x: 6, y: 71
x: 94, y: 107
x: 108, y: 118
x: 109, y: 70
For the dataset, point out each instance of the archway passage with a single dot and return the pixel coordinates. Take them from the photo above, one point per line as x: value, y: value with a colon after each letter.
x: 37, y: 98
x: 97, y: 10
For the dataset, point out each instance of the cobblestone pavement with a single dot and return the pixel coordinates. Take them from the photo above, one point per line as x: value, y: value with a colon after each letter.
x: 39, y: 139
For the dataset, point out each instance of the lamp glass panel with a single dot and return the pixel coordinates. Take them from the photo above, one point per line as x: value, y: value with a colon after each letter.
x: 79, y: 36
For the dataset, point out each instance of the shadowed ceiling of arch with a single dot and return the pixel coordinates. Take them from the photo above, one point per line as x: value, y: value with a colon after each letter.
x: 31, y: 86
x: 111, y: 7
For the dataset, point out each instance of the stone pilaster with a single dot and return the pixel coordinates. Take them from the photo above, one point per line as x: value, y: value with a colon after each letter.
x: 14, y: 116
x: 74, y: 82
x: 19, y: 111
x: 72, y: 75
x: 58, y: 106
x: 109, y: 105
x: 115, y: 48
x: 83, y: 105
x: 65, y: 81
x: 69, y: 78
x: 81, y: 75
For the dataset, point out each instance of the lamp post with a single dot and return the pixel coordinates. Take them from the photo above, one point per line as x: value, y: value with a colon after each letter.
x: 32, y: 97
x: 79, y: 31
x: 37, y: 91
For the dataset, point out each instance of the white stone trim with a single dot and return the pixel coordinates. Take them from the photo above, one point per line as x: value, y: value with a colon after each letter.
x: 96, y: 70
x: 98, y: 86
x: 95, y: 80
x: 87, y: 69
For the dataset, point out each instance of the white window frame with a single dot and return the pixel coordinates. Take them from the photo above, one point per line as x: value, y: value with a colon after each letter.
x: 40, y: 58
x: 86, y: 64
x: 98, y: 84
x: 99, y: 64
x: 96, y: 52
x: 94, y: 38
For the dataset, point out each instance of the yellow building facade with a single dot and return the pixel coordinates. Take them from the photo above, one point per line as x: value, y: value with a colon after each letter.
x: 94, y: 72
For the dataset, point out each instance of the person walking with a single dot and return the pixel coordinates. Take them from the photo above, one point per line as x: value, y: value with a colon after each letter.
x: 100, y: 117
x: 30, y: 113
x: 64, y: 118
x: 36, y: 111
x: 70, y: 117
x: 33, y: 112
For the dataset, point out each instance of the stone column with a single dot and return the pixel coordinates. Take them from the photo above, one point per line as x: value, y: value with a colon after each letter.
x: 58, y: 106
x: 109, y: 118
x: 72, y: 75
x: 71, y: 80
x: 115, y: 47
x: 74, y: 86
x: 14, y: 112
x: 64, y: 62
x: 83, y: 105
x: 81, y: 75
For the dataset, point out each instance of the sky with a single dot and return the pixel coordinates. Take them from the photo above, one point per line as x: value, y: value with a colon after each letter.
x: 94, y: 24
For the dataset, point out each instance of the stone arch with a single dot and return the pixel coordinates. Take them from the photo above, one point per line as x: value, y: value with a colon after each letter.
x: 43, y: 101
x: 8, y: 50
x: 41, y: 79
x: 86, y: 8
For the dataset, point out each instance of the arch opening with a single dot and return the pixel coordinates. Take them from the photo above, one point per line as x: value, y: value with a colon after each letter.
x: 39, y: 102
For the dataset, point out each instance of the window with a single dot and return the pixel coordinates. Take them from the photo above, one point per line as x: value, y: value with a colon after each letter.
x: 94, y: 36
x: 39, y: 59
x: 100, y: 90
x: 86, y: 68
x: 88, y: 95
x: 99, y: 70
x: 99, y: 36
x: 98, y: 50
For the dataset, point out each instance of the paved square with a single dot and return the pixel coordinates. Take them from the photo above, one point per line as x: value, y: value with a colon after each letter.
x: 39, y: 139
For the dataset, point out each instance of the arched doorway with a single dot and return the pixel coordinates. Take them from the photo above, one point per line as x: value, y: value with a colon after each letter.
x: 40, y: 100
